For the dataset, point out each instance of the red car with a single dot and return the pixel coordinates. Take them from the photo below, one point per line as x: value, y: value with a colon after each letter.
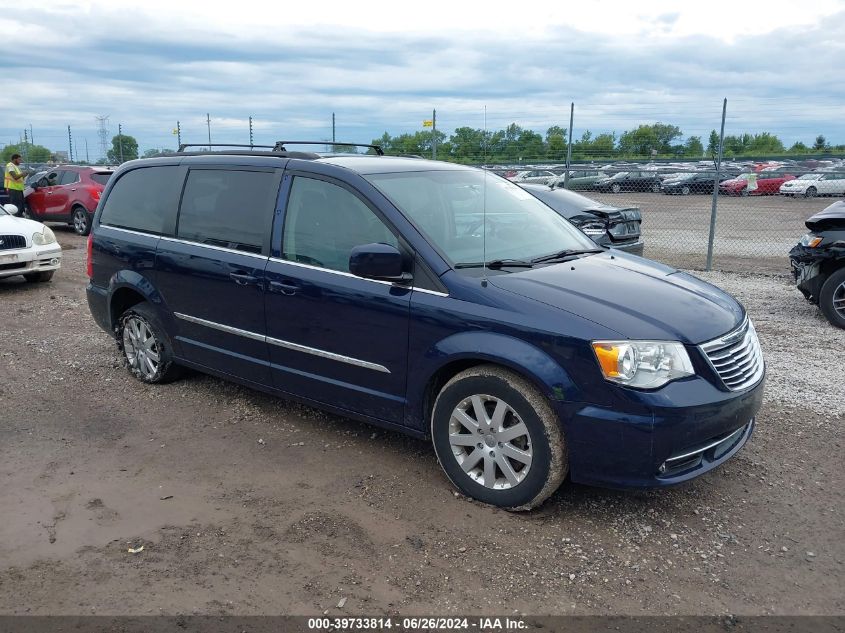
x: 68, y: 193
x: 766, y: 183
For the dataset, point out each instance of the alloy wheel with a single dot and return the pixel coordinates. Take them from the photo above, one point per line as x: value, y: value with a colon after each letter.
x: 490, y: 442
x: 80, y: 221
x: 839, y: 300
x: 141, y: 347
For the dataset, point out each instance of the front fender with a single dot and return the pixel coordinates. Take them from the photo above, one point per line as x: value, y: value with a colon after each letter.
x: 487, y: 347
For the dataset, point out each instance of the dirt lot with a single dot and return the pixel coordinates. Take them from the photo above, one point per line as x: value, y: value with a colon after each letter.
x: 245, y: 504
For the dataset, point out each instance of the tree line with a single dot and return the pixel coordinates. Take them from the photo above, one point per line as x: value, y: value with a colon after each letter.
x: 657, y: 140
x: 514, y: 144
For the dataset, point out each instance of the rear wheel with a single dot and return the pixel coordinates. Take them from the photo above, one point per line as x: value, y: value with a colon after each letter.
x: 81, y: 221
x: 145, y: 345
x: 685, y: 190
x: 832, y: 298
x: 811, y: 192
x: 42, y: 276
x: 498, y: 439
x: 616, y: 188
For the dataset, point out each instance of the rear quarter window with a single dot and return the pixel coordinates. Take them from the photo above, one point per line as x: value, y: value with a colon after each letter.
x: 101, y: 178
x: 145, y: 200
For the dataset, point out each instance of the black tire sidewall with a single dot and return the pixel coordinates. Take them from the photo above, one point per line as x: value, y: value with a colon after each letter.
x: 87, y: 221
x: 527, y: 490
x: 826, y: 297
x: 166, y: 369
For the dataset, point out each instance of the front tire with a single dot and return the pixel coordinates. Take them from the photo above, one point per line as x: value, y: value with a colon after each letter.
x: 685, y: 190
x: 811, y: 192
x: 832, y: 298
x: 616, y: 188
x: 81, y: 221
x: 145, y: 345
x: 497, y: 438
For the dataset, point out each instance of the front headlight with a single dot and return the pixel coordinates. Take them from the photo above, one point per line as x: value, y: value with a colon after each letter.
x: 642, y: 364
x: 811, y: 241
x: 44, y: 237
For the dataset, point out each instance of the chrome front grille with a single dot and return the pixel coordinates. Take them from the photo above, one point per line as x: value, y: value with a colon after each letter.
x: 9, y: 242
x: 737, y: 357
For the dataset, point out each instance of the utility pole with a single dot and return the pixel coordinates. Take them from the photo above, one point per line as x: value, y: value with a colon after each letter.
x: 103, y: 133
x: 69, y: 144
x: 434, y: 134
x: 87, y: 158
x: 178, y: 134
x: 120, y: 141
x: 250, y: 132
x: 25, y: 146
x: 333, y: 129
x: 208, y: 123
x: 31, y: 137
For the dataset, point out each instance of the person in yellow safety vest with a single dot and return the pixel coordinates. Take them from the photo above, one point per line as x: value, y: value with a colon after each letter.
x: 14, y: 182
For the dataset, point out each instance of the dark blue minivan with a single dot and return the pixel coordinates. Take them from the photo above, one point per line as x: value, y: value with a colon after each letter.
x: 431, y: 298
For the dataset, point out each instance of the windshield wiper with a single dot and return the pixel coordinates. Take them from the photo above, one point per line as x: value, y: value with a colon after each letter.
x: 496, y: 264
x: 565, y: 253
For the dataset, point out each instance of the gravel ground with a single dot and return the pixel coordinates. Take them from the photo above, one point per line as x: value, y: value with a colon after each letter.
x: 246, y: 504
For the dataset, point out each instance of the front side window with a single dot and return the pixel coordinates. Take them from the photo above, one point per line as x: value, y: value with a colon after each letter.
x: 229, y: 208
x: 145, y: 200
x: 324, y: 222
x: 471, y: 216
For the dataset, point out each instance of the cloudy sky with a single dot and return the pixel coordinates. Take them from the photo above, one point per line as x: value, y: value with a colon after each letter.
x: 383, y: 66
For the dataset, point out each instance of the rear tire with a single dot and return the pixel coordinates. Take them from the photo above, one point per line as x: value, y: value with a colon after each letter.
x: 832, y: 298
x: 42, y: 276
x: 616, y: 188
x: 498, y: 439
x: 146, y: 347
x: 685, y: 190
x: 811, y: 192
x: 81, y: 221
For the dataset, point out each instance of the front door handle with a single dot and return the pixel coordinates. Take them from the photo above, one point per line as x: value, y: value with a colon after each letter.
x: 284, y: 287
x: 243, y: 279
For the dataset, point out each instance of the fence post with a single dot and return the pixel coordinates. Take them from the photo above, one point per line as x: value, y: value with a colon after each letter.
x: 715, y: 205
x: 569, y: 146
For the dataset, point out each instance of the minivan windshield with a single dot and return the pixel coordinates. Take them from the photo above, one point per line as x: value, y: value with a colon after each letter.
x: 472, y: 216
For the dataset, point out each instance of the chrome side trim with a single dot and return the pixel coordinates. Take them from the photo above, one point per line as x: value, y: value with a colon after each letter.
x: 213, y: 247
x: 285, y: 344
x: 219, y: 326
x: 278, y: 260
x: 130, y: 231
x: 330, y: 355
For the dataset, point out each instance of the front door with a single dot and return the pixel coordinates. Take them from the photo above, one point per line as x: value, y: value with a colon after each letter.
x: 333, y: 337
x: 211, y: 275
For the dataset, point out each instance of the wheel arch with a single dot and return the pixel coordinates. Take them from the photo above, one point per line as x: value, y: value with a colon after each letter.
x: 128, y: 288
x: 460, y: 352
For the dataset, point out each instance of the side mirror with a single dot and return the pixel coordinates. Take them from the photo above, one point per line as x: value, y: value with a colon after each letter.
x: 377, y: 261
x: 11, y: 209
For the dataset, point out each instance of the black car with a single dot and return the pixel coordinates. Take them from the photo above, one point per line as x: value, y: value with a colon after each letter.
x: 630, y: 181
x: 818, y: 262
x: 691, y: 183
x: 606, y: 225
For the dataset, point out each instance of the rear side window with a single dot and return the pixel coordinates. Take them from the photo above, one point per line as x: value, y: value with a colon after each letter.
x: 145, y: 200
x: 101, y: 178
x: 68, y: 177
x: 231, y: 208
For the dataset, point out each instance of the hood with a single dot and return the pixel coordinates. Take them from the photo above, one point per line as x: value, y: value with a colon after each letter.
x: 832, y: 217
x: 12, y: 225
x: 638, y: 298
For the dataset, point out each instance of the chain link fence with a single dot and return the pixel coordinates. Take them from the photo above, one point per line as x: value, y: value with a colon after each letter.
x: 759, y: 215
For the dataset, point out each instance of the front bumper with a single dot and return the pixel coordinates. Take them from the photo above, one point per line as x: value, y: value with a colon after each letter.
x: 808, y: 278
x: 635, y: 248
x: 35, y: 259
x: 660, y: 438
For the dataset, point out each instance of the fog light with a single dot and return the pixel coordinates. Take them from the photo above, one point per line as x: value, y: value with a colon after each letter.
x: 662, y: 468
x: 54, y: 261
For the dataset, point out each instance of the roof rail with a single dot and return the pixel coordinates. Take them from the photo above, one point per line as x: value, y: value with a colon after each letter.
x: 210, y: 145
x: 280, y: 145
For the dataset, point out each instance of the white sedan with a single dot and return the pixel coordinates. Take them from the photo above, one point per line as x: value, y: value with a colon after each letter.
x: 816, y: 184
x: 534, y: 176
x: 27, y: 247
